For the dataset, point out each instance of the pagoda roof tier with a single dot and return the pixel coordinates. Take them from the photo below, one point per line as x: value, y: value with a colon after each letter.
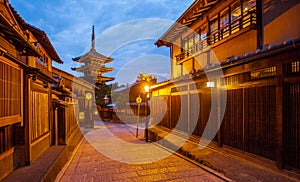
x: 101, y: 69
x: 104, y: 79
x: 93, y: 55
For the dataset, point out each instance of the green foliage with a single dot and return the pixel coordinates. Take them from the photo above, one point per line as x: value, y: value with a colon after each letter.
x: 146, y: 77
x: 102, y: 91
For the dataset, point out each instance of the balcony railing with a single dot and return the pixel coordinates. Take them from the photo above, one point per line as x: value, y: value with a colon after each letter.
x: 43, y: 67
x: 248, y: 19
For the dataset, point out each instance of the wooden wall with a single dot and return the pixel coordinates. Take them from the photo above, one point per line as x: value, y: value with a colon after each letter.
x: 260, y: 118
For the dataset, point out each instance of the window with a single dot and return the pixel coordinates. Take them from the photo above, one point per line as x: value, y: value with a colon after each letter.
x: 191, y: 43
x: 198, y: 35
x: 40, y: 115
x: 6, y: 138
x: 249, y: 5
x: 203, y: 32
x: 10, y: 92
x: 296, y: 67
x: 185, y: 44
x: 213, y: 24
x: 224, y: 22
x: 235, y: 16
x: 224, y: 18
x: 262, y: 73
x: 213, y: 29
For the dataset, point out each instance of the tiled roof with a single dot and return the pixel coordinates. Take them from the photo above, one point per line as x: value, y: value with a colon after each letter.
x: 43, y: 39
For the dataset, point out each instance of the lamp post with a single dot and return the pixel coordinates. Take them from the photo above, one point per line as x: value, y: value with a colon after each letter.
x: 105, y: 111
x: 106, y: 99
x: 146, y: 89
x: 88, y: 105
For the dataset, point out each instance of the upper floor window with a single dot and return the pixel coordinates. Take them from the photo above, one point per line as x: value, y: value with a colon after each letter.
x: 188, y: 42
x: 213, y: 24
x: 249, y: 5
x: 235, y: 13
x: 224, y: 22
x: 233, y: 18
x: 296, y: 67
x: 203, y: 32
x: 224, y: 18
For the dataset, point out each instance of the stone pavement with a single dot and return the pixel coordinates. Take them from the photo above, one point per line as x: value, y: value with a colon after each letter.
x: 45, y: 168
x: 234, y: 165
x: 89, y: 164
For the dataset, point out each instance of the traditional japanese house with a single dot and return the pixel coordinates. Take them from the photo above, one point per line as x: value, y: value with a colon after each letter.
x: 25, y: 92
x: 94, y: 65
x: 38, y: 91
x: 255, y: 44
x: 74, y: 106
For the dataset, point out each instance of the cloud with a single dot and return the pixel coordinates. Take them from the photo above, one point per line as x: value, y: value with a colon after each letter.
x: 68, y: 24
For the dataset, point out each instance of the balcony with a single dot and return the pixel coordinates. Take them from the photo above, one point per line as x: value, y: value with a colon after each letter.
x: 43, y: 67
x: 248, y: 19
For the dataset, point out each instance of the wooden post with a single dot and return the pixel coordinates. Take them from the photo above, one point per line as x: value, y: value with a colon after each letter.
x: 27, y: 119
x: 218, y: 92
x: 259, y: 12
x: 56, y: 125
x: 189, y: 111
x: 138, y: 120
x: 138, y: 100
x: 279, y: 117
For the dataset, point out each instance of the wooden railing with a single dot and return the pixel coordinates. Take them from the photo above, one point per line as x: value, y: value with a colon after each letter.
x: 43, y: 67
x: 248, y: 19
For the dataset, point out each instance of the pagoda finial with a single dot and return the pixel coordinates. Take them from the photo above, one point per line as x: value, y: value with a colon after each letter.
x: 93, y: 39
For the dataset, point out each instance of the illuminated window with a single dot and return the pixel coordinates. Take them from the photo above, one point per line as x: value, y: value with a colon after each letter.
x: 213, y: 24
x: 295, y: 67
x: 235, y: 15
x: 224, y: 18
x: 224, y: 22
x: 249, y: 5
x: 262, y: 73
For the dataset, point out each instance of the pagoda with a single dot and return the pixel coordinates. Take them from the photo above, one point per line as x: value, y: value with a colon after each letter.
x: 94, y: 65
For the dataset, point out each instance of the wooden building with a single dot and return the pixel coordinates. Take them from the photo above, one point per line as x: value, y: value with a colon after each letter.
x: 255, y: 43
x: 34, y: 112
x: 74, y: 104
x: 26, y: 65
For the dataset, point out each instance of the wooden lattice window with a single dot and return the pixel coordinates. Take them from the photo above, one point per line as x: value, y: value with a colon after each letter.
x: 295, y: 67
x: 40, y: 114
x: 263, y: 73
x: 10, y: 92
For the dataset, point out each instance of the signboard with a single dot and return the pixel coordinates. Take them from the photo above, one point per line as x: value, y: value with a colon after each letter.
x: 138, y: 99
x: 81, y: 115
x: 88, y: 96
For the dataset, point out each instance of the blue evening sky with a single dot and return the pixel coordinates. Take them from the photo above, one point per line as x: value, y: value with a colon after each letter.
x: 68, y: 24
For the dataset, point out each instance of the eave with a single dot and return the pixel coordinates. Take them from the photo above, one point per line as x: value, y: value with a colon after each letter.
x: 189, y: 17
x: 92, y: 54
x: 43, y: 39
x: 10, y: 27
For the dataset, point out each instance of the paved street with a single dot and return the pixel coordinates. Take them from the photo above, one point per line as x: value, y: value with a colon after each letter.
x: 89, y: 164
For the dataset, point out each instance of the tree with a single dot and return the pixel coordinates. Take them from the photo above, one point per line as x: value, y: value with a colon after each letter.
x: 103, y: 90
x: 146, y: 77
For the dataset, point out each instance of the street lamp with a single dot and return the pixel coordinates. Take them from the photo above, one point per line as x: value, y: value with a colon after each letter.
x: 146, y: 90
x: 106, y: 111
x: 210, y: 84
x: 106, y: 99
